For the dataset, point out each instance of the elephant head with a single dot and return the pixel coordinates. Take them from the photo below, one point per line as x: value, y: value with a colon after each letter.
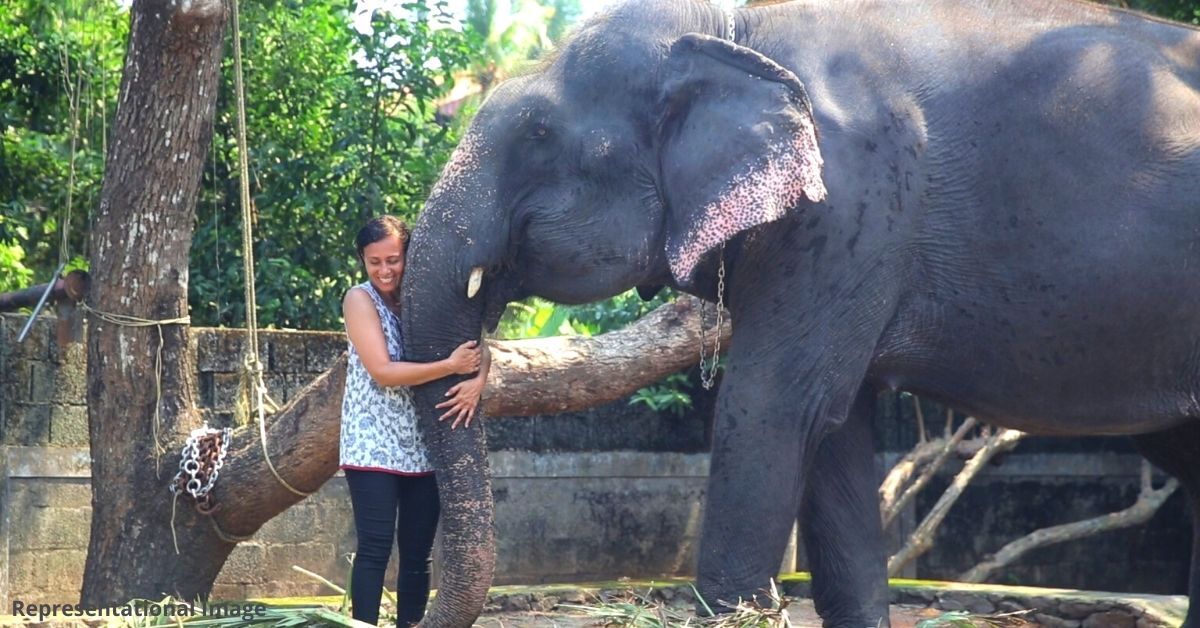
x: 627, y: 160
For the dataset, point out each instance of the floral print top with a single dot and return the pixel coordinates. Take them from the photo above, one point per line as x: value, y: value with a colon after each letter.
x: 379, y: 424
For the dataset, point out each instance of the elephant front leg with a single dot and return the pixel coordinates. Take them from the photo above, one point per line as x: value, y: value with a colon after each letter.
x: 752, y: 500
x: 840, y: 523
x: 766, y: 425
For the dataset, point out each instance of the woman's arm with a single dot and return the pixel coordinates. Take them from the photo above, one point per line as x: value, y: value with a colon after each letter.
x: 465, y: 395
x: 366, y: 334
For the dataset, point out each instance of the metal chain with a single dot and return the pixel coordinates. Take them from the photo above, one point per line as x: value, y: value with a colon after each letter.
x: 709, y: 375
x: 200, y: 464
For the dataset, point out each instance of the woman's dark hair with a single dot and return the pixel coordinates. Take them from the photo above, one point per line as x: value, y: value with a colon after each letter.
x: 377, y: 229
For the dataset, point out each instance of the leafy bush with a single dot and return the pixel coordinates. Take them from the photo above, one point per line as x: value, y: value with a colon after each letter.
x: 15, y: 274
x: 52, y: 56
x: 1180, y: 10
x: 341, y: 128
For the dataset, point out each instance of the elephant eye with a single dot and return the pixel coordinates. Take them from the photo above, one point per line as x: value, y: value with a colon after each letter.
x: 539, y: 132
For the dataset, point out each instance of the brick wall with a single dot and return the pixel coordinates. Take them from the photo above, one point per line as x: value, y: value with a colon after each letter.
x: 561, y: 515
x: 291, y: 359
x: 576, y: 496
x: 43, y: 387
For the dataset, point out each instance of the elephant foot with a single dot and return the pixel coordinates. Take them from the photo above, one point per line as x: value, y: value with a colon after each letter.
x: 855, y: 621
x: 858, y: 622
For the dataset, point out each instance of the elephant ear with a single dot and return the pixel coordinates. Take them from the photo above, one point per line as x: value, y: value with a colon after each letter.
x: 739, y: 146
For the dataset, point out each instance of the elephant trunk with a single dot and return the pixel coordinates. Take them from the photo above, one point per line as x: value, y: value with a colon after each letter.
x: 436, y: 317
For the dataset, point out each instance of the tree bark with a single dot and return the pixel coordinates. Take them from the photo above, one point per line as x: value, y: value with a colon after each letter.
x: 140, y: 242
x: 1148, y: 502
x: 922, y: 539
x: 563, y: 374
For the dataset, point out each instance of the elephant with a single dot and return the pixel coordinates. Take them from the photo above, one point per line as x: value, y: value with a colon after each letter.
x: 992, y: 204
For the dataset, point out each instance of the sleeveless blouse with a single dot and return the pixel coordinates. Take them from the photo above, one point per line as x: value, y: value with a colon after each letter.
x: 379, y: 423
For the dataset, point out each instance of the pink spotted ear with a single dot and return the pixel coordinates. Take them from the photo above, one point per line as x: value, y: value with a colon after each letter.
x: 739, y: 147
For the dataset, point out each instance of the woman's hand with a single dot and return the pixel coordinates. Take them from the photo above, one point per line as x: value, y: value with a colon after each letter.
x: 464, y: 359
x: 464, y: 399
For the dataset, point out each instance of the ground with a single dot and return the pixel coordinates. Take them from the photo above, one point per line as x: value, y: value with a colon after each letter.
x: 800, y: 611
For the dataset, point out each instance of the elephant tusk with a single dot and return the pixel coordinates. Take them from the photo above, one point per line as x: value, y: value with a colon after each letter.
x: 474, y: 282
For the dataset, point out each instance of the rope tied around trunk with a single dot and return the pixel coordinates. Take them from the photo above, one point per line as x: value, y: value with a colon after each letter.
x: 124, y: 320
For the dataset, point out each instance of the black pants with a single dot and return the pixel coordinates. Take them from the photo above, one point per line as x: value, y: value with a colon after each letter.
x: 377, y: 497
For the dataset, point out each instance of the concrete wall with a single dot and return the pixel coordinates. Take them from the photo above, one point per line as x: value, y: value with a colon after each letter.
x: 43, y: 387
x: 561, y: 515
x: 612, y: 491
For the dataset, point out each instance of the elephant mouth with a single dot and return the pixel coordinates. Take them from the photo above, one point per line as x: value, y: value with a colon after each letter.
x: 497, y: 290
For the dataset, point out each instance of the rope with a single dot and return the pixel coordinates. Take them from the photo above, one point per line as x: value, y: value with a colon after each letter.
x: 174, y: 537
x: 262, y: 400
x: 225, y: 536
x: 73, y: 92
x: 244, y: 174
x: 251, y: 365
x: 134, y: 321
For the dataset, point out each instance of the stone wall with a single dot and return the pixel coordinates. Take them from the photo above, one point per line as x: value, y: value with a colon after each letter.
x: 568, y: 507
x: 612, y: 491
x: 560, y: 517
x: 43, y: 387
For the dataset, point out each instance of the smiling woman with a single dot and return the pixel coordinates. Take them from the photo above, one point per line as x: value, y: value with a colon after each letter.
x: 392, y: 485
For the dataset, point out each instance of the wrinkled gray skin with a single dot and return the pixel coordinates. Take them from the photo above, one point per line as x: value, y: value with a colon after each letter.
x: 1009, y: 222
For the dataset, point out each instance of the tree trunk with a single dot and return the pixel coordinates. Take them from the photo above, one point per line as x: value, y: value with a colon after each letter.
x: 140, y: 242
x: 563, y: 374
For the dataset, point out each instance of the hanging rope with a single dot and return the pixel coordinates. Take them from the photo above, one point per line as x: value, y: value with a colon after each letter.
x: 73, y: 87
x: 133, y: 321
x: 252, y: 378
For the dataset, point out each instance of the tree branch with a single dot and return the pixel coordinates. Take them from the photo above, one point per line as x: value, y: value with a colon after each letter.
x: 922, y: 539
x: 892, y: 506
x: 538, y: 376
x: 567, y: 373
x: 1148, y: 502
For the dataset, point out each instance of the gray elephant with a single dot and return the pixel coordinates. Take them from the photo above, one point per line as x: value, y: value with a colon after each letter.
x: 995, y: 204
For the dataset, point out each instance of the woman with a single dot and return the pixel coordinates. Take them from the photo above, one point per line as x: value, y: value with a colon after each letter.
x: 381, y: 451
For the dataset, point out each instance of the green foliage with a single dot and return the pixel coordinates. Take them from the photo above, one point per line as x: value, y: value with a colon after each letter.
x: 341, y: 128
x: 514, y: 33
x: 951, y: 619
x: 538, y: 318
x: 1180, y: 10
x: 60, y: 68
x: 669, y: 395
x: 15, y: 274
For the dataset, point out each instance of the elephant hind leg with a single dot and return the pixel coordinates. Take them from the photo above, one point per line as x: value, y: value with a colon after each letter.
x: 1177, y: 451
x: 840, y: 524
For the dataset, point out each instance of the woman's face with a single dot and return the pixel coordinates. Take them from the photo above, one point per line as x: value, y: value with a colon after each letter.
x: 384, y: 260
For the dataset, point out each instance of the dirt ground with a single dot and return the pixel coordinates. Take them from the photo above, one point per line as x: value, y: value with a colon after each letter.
x: 800, y: 611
